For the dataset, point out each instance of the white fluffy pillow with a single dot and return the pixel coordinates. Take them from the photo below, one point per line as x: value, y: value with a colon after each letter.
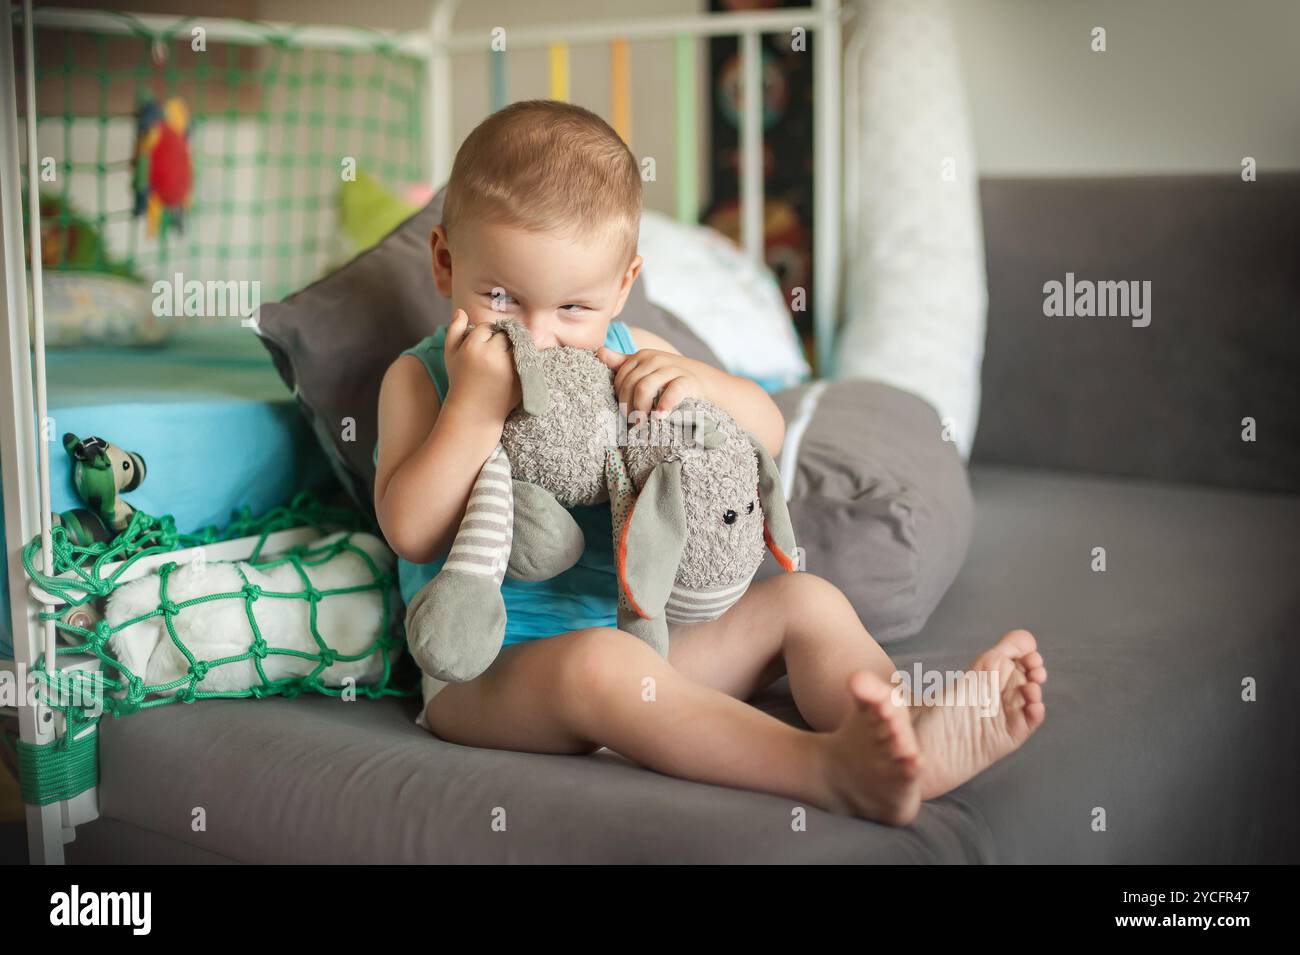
x: 915, y: 293
x: 733, y: 304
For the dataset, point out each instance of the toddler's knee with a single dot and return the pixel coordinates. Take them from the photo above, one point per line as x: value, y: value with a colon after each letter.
x: 803, y: 590
x: 812, y: 601
x: 601, y: 661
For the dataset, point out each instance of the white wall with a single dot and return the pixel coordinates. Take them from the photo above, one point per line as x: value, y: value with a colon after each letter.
x: 1184, y: 85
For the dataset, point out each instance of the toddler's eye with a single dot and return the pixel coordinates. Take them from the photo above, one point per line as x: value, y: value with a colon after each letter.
x: 750, y: 509
x: 729, y: 517
x: 500, y: 298
x: 573, y: 308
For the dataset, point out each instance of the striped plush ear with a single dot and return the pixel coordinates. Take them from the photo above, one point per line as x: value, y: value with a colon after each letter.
x: 778, y: 531
x: 653, y: 538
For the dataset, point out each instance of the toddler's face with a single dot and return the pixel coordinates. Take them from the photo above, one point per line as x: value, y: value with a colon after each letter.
x: 564, y: 289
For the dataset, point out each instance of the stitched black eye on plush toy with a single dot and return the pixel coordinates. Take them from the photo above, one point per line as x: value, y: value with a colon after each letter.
x: 729, y: 517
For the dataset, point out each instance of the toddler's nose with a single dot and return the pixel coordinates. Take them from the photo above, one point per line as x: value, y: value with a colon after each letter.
x: 543, y: 336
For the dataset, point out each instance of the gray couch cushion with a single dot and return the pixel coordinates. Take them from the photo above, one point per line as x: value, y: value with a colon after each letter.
x: 1165, y: 401
x: 333, y: 341
x: 879, y: 500
x: 1145, y: 719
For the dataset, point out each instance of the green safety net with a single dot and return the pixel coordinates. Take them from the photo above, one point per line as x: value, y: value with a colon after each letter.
x: 271, y: 126
x: 59, y: 770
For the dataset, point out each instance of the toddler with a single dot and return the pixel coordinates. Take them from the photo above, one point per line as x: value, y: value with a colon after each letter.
x: 540, y: 223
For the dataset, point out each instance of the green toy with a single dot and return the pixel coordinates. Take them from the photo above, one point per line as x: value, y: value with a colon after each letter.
x: 101, y: 473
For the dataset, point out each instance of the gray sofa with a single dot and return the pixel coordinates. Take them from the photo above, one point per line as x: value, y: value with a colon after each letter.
x: 1093, y: 433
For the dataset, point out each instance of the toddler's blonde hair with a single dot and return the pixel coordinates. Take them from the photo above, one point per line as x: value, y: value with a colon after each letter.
x: 547, y: 166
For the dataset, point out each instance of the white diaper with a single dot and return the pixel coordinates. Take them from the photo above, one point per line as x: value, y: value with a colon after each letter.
x: 429, y: 688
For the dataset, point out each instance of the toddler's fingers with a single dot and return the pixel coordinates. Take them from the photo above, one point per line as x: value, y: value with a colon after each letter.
x: 647, y: 389
x: 456, y: 331
x: 671, y: 396
x: 624, y: 383
x: 612, y: 359
x: 482, y: 335
x: 626, y: 371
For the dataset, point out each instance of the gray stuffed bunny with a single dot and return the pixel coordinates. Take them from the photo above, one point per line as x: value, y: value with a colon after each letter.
x: 694, y: 498
x: 692, y: 514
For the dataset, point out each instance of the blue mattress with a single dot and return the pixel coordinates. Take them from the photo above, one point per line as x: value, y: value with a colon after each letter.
x: 207, y: 411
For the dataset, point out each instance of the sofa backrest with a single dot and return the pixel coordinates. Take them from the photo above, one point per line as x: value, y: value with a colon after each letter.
x: 1166, y: 399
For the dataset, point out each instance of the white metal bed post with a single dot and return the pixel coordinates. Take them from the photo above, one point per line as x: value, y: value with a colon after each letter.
x: 752, y: 211
x: 827, y: 207
x: 440, y: 99
x: 27, y: 489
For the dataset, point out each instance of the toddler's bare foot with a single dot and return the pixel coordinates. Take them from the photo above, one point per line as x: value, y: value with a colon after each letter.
x: 874, y: 764
x: 960, y: 741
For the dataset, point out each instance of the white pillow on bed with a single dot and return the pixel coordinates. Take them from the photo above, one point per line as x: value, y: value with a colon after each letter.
x: 734, y: 304
x: 915, y: 290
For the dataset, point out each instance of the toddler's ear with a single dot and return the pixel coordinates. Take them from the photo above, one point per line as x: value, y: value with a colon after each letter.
x: 441, y: 252
x: 625, y: 287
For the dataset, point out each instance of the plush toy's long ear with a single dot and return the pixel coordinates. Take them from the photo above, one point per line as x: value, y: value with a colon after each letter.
x: 528, y: 363
x: 652, y: 540
x: 778, y: 532
x: 707, y: 433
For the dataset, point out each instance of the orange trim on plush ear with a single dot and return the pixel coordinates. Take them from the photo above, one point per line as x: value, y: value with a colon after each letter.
x: 622, y: 564
x: 782, y: 558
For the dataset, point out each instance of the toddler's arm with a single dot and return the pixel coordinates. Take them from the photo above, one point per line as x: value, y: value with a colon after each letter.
x: 430, y: 452
x: 659, y: 368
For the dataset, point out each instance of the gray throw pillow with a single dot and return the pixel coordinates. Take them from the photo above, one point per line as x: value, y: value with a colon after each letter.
x: 880, y: 503
x: 333, y: 341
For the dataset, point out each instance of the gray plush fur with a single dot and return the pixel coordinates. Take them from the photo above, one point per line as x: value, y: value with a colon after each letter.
x: 561, y: 448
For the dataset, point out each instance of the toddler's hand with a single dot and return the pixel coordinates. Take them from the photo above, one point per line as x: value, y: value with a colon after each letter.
x: 480, y: 369
x: 651, y: 380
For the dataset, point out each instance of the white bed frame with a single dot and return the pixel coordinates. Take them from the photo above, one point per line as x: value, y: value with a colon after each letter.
x: 26, y: 458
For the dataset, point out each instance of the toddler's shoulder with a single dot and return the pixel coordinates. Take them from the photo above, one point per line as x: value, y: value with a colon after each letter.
x: 643, y: 339
x: 429, y: 343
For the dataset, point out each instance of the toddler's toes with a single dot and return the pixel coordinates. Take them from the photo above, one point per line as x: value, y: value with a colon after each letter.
x: 1034, y: 709
x: 1017, y: 644
x: 876, y: 764
x: 1033, y: 667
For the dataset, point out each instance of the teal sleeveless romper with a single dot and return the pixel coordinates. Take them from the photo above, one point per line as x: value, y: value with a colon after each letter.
x: 585, y: 595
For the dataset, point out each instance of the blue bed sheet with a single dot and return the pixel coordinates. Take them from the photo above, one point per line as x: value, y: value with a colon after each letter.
x: 207, y: 411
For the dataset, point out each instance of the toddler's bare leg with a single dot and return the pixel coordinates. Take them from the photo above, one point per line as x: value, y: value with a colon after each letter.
x: 803, y: 625
x: 577, y: 691
x: 795, y: 624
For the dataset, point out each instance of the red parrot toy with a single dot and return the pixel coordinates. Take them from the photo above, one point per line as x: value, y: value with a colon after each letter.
x: 164, y: 176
